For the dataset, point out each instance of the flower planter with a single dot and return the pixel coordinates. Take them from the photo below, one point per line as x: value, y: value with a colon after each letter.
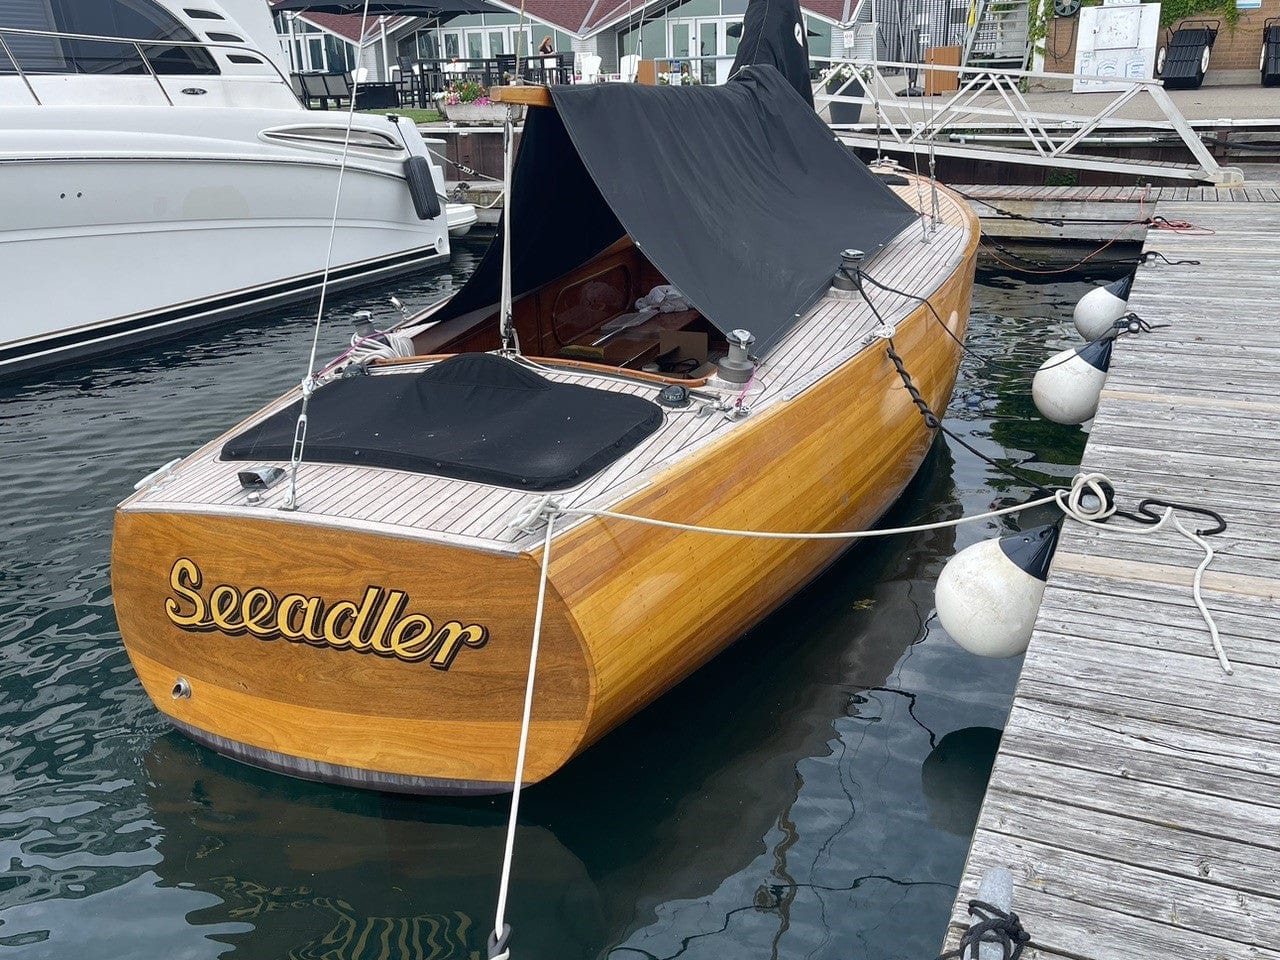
x: 477, y: 114
x: 845, y: 112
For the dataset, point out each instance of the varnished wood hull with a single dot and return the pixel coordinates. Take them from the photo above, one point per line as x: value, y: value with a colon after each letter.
x: 631, y: 609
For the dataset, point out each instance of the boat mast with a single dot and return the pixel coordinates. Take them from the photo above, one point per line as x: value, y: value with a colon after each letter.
x: 506, y: 327
x: 510, y: 343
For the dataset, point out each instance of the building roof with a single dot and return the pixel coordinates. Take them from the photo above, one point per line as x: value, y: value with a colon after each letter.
x: 580, y: 18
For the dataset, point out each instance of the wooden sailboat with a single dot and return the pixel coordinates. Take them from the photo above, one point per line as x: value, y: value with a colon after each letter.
x: 379, y: 634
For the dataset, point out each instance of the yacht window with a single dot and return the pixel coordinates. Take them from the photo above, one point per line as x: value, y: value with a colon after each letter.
x: 30, y: 15
x: 334, y: 136
x: 132, y: 19
x: 203, y: 15
x: 225, y: 37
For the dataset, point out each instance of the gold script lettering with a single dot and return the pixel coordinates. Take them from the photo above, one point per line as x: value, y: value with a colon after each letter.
x: 407, y: 637
x: 223, y: 602
x: 312, y: 631
x: 184, y: 580
x: 452, y: 637
x: 340, y: 612
x: 256, y: 611
x: 284, y: 616
x: 378, y: 642
x: 378, y: 624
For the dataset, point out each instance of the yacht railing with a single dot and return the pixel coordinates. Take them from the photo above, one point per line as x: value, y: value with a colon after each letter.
x: 136, y: 43
x: 991, y: 100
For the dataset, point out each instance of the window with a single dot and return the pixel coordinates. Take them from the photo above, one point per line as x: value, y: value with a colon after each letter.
x: 339, y: 55
x: 335, y: 137
x: 585, y: 305
x: 132, y: 19
x: 428, y: 45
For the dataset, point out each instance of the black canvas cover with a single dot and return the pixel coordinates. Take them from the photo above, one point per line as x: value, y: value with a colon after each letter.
x: 475, y: 417
x: 739, y: 194
x: 773, y: 33
x: 559, y: 219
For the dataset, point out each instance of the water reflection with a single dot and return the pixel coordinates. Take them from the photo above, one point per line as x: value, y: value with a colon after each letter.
x: 307, y: 871
x: 954, y: 778
x: 807, y: 794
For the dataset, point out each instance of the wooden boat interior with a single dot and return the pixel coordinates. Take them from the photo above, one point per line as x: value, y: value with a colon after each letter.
x: 558, y: 325
x: 573, y: 318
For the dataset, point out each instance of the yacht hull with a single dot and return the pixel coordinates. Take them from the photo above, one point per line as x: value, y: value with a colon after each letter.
x: 631, y: 609
x: 109, y: 239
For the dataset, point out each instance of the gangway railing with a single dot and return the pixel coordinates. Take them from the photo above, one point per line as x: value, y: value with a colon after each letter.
x: 992, y: 100
x: 11, y: 62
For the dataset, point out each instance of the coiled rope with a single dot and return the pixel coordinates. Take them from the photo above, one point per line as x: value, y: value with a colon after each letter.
x: 992, y: 925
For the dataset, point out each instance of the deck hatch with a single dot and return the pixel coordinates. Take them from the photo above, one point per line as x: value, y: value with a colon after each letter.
x: 474, y: 417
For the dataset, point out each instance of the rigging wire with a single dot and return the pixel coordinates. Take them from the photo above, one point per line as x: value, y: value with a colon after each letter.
x: 309, y: 382
x: 501, y: 929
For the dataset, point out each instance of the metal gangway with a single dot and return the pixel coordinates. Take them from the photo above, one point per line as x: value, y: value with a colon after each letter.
x: 990, y: 117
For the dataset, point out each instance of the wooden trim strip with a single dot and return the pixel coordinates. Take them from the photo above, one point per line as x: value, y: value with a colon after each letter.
x: 528, y: 96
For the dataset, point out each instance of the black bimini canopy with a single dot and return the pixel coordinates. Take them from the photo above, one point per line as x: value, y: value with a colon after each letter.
x: 739, y: 194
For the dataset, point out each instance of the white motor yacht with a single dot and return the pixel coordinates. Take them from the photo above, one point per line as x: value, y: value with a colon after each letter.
x: 158, y: 173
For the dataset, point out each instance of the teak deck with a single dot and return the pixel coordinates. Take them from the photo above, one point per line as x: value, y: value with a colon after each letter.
x: 1136, y: 796
x: 413, y: 504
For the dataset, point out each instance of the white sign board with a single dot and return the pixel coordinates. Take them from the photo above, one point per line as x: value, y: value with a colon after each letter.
x: 1116, y: 42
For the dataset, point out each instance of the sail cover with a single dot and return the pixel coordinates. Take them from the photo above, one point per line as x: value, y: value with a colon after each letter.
x: 773, y: 33
x: 739, y: 194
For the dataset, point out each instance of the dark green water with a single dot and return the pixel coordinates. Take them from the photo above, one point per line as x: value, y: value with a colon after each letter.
x: 809, y: 794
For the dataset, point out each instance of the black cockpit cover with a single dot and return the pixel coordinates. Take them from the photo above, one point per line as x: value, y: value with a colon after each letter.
x: 739, y: 194
x: 476, y: 417
x: 773, y: 33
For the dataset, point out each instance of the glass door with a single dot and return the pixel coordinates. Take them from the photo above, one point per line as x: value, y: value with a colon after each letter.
x: 710, y: 44
x: 516, y: 36
x: 680, y: 46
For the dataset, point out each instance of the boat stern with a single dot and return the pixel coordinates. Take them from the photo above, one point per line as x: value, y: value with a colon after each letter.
x: 343, y: 655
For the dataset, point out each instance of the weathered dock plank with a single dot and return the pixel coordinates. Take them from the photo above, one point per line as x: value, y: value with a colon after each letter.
x: 1136, y: 796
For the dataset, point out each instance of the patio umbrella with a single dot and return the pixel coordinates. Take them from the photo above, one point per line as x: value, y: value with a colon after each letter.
x: 407, y: 8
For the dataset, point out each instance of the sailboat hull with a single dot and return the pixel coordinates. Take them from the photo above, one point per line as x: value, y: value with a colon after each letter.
x: 354, y: 656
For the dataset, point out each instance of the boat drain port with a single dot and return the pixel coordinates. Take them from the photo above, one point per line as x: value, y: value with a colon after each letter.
x: 181, y: 689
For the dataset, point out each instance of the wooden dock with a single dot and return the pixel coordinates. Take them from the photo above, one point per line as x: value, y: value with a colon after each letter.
x: 1136, y: 796
x: 1092, y: 214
